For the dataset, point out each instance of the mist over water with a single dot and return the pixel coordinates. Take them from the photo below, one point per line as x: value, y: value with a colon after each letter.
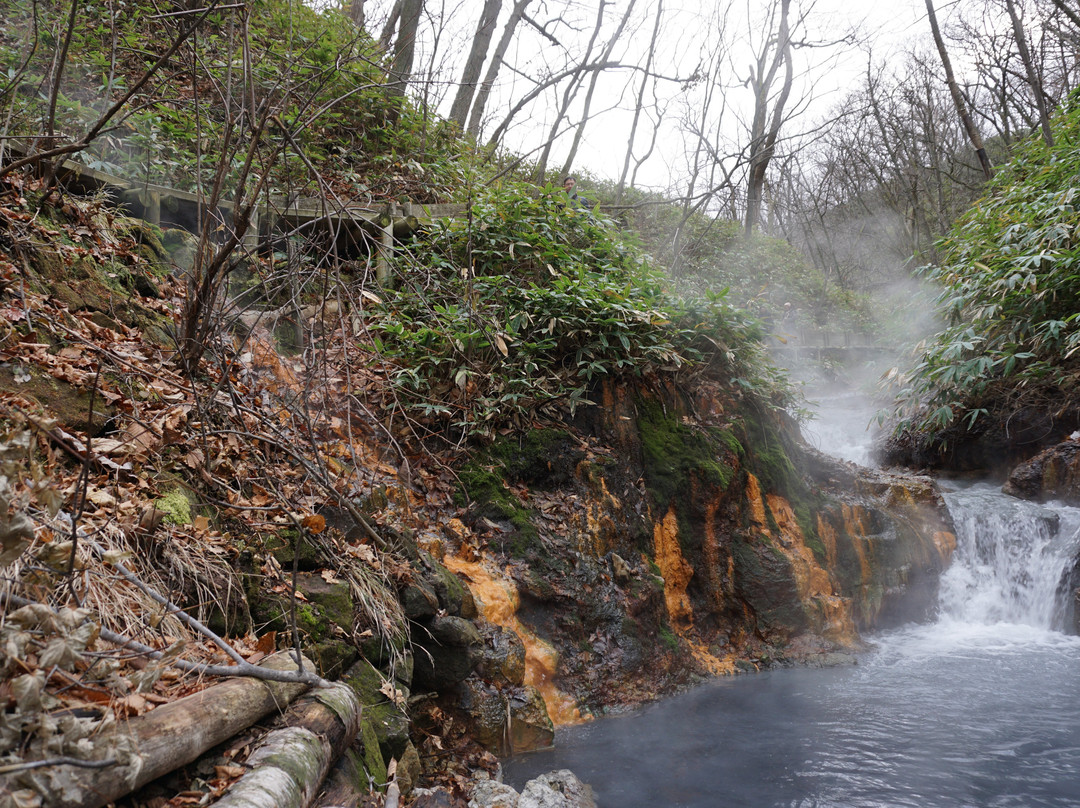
x: 979, y: 707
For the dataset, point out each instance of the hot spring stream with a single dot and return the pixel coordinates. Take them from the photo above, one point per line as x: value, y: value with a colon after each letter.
x: 979, y: 708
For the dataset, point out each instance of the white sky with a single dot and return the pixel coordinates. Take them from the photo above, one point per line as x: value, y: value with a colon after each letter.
x: 887, y: 26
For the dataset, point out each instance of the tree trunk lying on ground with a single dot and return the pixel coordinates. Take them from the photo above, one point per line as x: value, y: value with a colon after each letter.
x: 291, y: 763
x: 160, y: 741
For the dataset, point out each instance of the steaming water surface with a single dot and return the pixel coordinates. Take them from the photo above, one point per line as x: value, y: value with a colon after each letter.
x: 980, y: 708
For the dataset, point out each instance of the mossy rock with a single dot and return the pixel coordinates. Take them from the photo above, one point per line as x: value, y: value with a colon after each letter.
x: 381, y: 651
x: 333, y: 599
x: 285, y: 548
x: 388, y: 724
x: 542, y: 458
x: 177, y: 507
x: 68, y: 404
x: 485, y: 490
x: 373, y: 757
x: 332, y: 657
x: 675, y: 454
x: 452, y: 594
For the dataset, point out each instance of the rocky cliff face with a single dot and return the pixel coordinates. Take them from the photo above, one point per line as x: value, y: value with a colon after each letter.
x: 666, y: 537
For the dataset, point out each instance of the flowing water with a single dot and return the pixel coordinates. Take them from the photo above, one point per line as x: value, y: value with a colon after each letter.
x: 979, y: 708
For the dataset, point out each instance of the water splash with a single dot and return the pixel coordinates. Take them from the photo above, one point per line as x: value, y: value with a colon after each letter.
x: 1010, y: 561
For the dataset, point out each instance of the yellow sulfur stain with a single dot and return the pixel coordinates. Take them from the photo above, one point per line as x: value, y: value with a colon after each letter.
x: 674, y: 569
x: 712, y: 664
x: 753, y: 499
x: 945, y: 542
x: 497, y: 599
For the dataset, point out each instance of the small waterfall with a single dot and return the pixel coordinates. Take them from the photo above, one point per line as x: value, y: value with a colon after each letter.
x: 1012, y: 562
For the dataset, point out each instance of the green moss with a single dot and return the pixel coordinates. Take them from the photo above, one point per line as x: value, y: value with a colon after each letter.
x: 374, y: 764
x: 283, y: 547
x: 485, y: 489
x: 669, y: 638
x: 728, y: 438
x: 768, y: 459
x: 176, y: 507
x: 545, y: 458
x: 389, y: 726
x: 674, y: 454
x: 808, y: 525
x: 334, y: 601
x: 309, y: 621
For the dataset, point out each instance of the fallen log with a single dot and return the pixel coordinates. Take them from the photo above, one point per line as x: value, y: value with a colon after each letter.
x: 154, y: 744
x: 345, y: 786
x: 288, y: 768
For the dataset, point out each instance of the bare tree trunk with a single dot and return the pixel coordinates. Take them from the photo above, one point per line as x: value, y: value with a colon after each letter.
x: 592, y: 89
x: 459, y: 110
x: 356, y: 12
x: 958, y: 99
x: 177, y: 733
x: 1032, y: 74
x: 392, y: 20
x: 290, y: 764
x: 638, y: 107
x: 476, y: 117
x: 568, y: 95
x: 765, y: 128
x: 404, y: 47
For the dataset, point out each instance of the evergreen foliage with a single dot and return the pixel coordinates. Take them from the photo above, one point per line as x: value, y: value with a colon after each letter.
x: 523, y: 308
x: 1010, y: 296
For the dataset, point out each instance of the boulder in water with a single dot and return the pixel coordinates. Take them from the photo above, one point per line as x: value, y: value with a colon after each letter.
x: 1054, y: 473
x: 560, y: 789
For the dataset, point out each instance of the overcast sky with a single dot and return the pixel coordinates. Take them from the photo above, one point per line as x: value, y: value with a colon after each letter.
x: 824, y: 75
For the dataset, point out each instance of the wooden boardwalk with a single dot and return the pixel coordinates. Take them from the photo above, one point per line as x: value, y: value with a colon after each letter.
x: 349, y: 228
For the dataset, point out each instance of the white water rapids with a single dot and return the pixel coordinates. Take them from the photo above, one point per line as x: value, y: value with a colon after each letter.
x: 979, y: 708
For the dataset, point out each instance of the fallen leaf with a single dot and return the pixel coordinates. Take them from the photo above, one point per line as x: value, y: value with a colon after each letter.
x: 314, y: 522
x: 267, y: 642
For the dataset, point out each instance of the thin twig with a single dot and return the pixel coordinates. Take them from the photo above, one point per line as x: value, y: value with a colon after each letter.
x: 244, y: 668
x: 58, y: 761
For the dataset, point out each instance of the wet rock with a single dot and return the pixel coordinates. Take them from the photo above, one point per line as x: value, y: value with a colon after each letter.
x: 485, y: 711
x: 530, y: 726
x: 561, y: 789
x: 435, y: 798
x: 1054, y: 473
x: 419, y: 600
x: 503, y: 656
x: 493, y: 794
x: 450, y: 649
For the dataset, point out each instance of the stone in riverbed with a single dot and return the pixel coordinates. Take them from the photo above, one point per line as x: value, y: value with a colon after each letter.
x: 493, y: 794
x: 1054, y: 473
x: 450, y: 649
x: 561, y: 789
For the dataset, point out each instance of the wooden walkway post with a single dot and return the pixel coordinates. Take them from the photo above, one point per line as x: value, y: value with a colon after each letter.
x: 386, y: 244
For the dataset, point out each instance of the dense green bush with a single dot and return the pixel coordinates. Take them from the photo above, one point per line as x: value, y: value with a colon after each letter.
x: 1010, y: 282
x: 524, y: 307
